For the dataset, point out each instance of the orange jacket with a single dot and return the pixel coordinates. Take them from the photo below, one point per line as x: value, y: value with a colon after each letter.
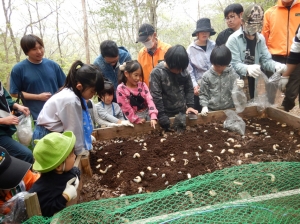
x: 280, y: 26
x: 148, y: 63
x: 29, y: 179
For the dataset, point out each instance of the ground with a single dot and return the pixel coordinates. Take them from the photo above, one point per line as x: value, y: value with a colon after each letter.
x: 164, y: 159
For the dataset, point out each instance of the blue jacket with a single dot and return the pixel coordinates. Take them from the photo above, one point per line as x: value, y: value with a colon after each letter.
x: 237, y: 45
x: 109, y: 71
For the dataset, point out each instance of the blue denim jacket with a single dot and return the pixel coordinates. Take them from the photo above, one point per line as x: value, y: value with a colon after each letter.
x: 109, y: 71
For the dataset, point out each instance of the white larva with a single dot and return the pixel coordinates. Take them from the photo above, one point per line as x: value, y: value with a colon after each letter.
x: 137, y: 179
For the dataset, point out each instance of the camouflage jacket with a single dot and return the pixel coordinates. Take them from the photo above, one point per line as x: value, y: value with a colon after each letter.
x: 171, y: 93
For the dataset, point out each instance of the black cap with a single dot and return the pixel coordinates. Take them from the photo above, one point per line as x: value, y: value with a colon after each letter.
x: 145, y: 30
x: 12, y: 170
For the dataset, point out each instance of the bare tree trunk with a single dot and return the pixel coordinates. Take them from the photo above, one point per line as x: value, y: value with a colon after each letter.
x: 30, y: 16
x: 86, y: 34
x: 152, y: 5
x: 57, y: 36
x: 7, y: 13
x: 199, y: 9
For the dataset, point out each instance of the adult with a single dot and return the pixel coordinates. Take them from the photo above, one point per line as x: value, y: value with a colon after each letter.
x: 171, y: 86
x: 36, y: 77
x: 199, y: 53
x: 249, y: 50
x: 8, y: 128
x: 153, y: 51
x: 233, y: 17
x: 110, y: 59
x: 280, y: 25
x: 293, y: 61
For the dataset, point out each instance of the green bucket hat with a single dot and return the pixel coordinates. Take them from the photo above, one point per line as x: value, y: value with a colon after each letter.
x: 52, y: 150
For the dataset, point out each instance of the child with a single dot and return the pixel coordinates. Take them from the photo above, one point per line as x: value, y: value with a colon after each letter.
x: 133, y: 94
x: 15, y: 177
x: 109, y: 112
x: 54, y: 159
x: 171, y: 86
x: 217, y: 83
x: 67, y: 109
x: 199, y: 52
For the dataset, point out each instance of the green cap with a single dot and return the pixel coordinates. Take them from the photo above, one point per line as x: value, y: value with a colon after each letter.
x: 52, y: 150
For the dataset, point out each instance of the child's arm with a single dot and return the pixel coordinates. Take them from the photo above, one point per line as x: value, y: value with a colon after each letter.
x: 125, y: 105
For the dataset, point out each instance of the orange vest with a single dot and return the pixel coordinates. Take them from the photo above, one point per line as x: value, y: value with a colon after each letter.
x: 148, y: 62
x: 29, y: 179
x: 280, y: 25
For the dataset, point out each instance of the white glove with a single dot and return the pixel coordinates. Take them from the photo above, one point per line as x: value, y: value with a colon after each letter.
x: 204, y: 111
x: 298, y: 33
x: 126, y: 123
x: 253, y: 70
x: 240, y: 83
x: 93, y: 138
x: 71, y: 188
x: 280, y: 68
x: 282, y: 83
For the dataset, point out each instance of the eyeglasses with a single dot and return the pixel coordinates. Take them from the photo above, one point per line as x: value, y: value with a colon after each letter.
x: 231, y: 17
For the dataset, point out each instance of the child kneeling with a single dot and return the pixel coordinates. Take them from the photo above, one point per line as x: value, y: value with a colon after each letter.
x: 54, y: 159
x: 217, y: 83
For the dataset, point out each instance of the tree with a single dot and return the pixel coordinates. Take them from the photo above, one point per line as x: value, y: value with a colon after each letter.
x: 86, y: 33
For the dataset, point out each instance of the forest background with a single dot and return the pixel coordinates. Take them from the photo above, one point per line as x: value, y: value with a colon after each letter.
x: 74, y: 29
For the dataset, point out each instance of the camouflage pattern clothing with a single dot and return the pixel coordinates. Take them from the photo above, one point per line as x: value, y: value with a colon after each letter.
x: 215, y: 90
x: 172, y: 93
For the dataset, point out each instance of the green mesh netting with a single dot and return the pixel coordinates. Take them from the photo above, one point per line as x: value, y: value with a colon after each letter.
x: 255, y: 193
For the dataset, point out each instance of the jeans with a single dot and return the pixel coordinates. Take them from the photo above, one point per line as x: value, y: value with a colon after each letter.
x: 16, y: 149
x: 38, y: 133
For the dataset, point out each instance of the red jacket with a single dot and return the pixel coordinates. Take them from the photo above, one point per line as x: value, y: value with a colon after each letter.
x: 280, y: 25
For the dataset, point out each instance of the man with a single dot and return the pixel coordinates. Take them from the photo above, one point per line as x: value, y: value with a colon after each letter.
x: 110, y: 59
x: 280, y: 25
x: 249, y: 50
x: 293, y: 62
x: 153, y: 51
x: 233, y: 17
x: 171, y: 87
x: 37, y: 78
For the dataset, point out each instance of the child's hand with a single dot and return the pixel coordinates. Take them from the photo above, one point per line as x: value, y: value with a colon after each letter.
x: 240, y: 83
x: 141, y: 121
x: 71, y: 188
x: 153, y: 123
x: 126, y: 123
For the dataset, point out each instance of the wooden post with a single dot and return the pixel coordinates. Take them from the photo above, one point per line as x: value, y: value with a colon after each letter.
x: 85, y: 165
x: 32, y: 205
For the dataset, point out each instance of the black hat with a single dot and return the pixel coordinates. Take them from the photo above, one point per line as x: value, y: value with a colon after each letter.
x: 12, y: 170
x: 203, y: 25
x: 145, y: 30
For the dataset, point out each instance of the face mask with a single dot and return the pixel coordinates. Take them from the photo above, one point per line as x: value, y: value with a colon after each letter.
x: 149, y: 44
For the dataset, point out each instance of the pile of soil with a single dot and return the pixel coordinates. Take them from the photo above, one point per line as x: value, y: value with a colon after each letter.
x: 164, y: 159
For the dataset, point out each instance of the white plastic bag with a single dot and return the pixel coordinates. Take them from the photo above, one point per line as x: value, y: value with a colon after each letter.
x: 24, y: 130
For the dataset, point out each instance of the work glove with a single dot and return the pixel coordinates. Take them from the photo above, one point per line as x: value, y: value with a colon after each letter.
x: 282, y: 83
x: 71, y: 188
x: 179, y: 123
x: 253, y: 70
x: 164, y: 122
x: 240, y: 83
x: 280, y: 68
x: 127, y: 123
x: 93, y: 138
x: 204, y: 111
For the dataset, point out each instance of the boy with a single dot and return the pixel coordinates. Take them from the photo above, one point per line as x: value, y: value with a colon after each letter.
x: 54, y: 159
x: 15, y: 177
x: 233, y: 17
x: 217, y: 83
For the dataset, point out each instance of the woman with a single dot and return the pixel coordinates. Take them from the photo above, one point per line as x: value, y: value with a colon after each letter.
x: 199, y: 53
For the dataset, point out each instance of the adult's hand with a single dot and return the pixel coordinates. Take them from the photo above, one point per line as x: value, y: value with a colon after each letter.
x: 44, y: 96
x: 282, y: 83
x: 9, y: 120
x: 253, y: 70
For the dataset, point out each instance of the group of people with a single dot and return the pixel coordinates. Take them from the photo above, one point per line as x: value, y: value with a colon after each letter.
x: 163, y: 82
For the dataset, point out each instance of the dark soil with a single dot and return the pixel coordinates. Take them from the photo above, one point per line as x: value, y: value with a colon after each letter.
x: 173, y: 157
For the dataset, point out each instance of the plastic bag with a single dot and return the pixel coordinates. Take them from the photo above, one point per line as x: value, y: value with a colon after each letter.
x: 239, y: 98
x: 234, y: 122
x: 17, y: 209
x: 24, y: 130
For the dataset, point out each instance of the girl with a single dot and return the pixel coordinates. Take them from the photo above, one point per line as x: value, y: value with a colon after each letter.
x: 133, y: 94
x: 106, y: 112
x: 199, y: 52
x: 217, y: 83
x: 67, y: 109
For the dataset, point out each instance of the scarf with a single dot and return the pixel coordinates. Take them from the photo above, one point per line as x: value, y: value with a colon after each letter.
x: 87, y: 127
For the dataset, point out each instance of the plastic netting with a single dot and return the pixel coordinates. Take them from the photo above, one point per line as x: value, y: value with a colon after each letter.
x: 253, y: 193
